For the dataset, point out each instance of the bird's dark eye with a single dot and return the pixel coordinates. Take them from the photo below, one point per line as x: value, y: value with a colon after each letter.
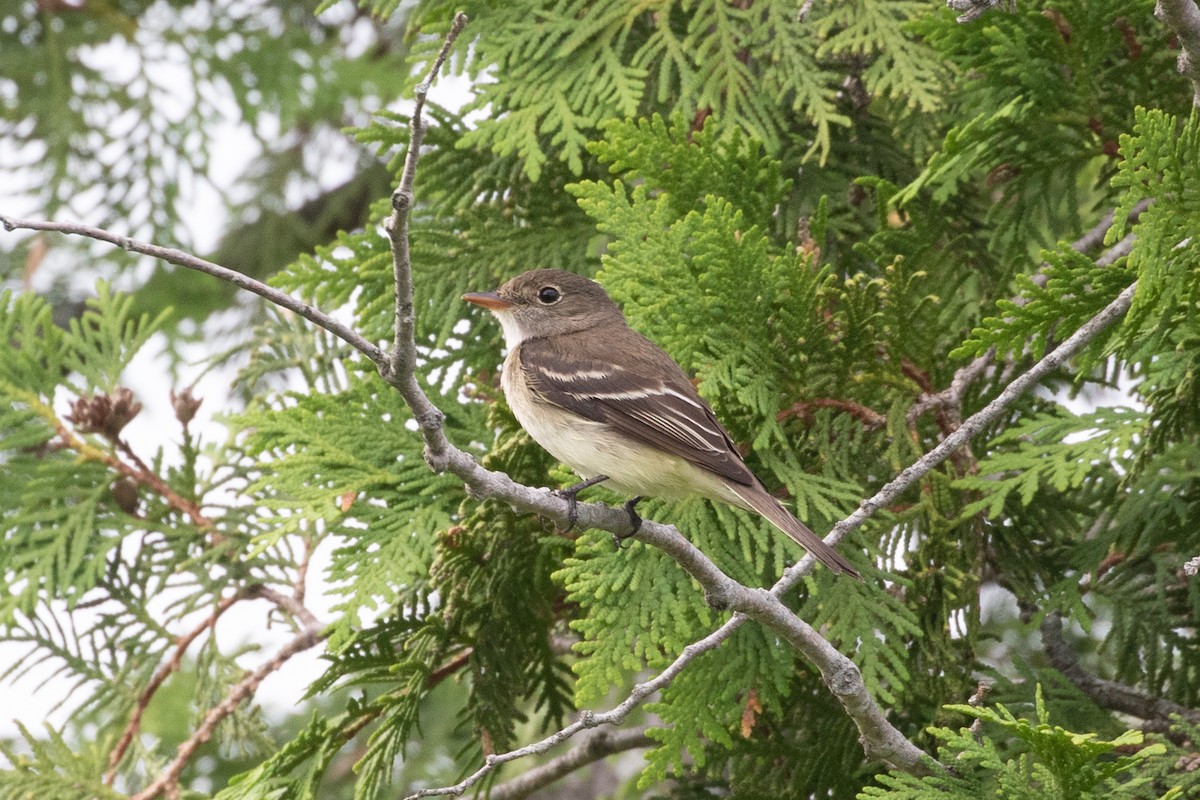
x: 548, y: 295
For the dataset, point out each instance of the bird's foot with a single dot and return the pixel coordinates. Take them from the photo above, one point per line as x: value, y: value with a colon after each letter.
x: 571, y: 494
x: 635, y: 523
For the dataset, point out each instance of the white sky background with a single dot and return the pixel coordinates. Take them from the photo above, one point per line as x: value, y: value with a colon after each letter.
x: 27, y: 701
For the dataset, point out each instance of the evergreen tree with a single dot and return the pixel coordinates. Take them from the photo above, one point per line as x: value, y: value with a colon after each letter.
x: 855, y: 224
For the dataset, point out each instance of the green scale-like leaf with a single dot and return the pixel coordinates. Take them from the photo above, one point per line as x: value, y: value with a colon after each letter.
x: 61, y: 521
x: 56, y: 769
x: 327, y: 450
x: 706, y: 703
x: 1160, y: 158
x: 638, y: 611
x: 842, y: 610
x: 1041, y: 460
x: 1055, y: 763
x: 1074, y: 291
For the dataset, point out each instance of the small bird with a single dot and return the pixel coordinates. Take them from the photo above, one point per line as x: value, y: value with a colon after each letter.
x: 613, y: 406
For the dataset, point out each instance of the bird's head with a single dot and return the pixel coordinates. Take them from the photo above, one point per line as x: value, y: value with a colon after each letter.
x: 547, y: 302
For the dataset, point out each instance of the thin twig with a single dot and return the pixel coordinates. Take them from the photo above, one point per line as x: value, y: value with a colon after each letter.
x: 1112, y: 695
x: 971, y: 427
x: 141, y: 473
x: 1092, y: 238
x: 947, y: 404
x: 1118, y: 250
x: 142, y: 476
x: 182, y: 643
x: 974, y: 9
x: 869, y: 417
x: 401, y: 368
x: 588, y: 719
x: 288, y: 604
x: 591, y: 749
x: 1095, y: 236
x: 182, y: 259
x: 169, y: 778
x: 951, y: 397
x: 449, y: 668
x: 300, y: 585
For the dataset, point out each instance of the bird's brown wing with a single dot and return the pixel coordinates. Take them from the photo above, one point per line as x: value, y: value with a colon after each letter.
x: 647, y: 397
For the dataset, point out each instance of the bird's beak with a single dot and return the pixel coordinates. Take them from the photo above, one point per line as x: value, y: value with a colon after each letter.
x: 489, y: 300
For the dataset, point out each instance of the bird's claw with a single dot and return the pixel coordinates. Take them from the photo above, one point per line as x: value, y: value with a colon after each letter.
x: 635, y: 523
x: 570, y: 494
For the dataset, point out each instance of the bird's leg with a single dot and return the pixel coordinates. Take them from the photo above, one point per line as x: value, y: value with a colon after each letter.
x: 635, y: 522
x: 571, y: 493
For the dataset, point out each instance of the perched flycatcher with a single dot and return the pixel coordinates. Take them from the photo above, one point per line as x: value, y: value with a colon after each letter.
x: 612, y: 405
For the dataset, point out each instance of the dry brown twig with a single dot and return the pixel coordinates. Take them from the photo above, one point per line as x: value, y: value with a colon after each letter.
x: 869, y: 417
x: 168, y: 780
x: 182, y: 643
x: 311, y: 629
x: 138, y: 472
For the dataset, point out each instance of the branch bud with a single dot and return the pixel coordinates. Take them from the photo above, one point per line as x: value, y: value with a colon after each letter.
x: 185, y: 405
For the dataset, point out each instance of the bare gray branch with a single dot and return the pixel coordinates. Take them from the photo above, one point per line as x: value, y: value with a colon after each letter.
x: 1183, y: 17
x: 592, y: 748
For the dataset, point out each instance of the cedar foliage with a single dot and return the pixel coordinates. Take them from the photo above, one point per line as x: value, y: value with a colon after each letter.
x: 843, y: 209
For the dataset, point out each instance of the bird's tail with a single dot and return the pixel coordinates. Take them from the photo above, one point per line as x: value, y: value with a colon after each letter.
x: 758, y: 499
